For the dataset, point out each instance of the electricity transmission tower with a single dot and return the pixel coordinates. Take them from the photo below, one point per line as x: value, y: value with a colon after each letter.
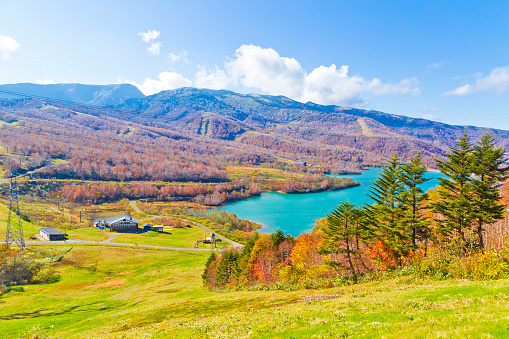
x: 14, y: 227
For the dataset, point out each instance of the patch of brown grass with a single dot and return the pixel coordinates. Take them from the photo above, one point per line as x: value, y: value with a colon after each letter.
x: 109, y: 284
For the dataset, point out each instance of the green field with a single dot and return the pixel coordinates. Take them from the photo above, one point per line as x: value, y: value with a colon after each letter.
x: 177, y: 237
x: 29, y: 229
x: 108, y: 292
x: 87, y: 233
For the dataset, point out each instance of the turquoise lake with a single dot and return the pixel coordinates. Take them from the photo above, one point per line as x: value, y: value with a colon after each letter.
x: 297, y: 213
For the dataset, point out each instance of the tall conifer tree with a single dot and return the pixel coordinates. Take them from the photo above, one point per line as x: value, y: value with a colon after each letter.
x: 341, y: 233
x: 413, y: 198
x: 456, y: 193
x: 489, y: 172
x: 211, y: 260
x: 225, y: 267
x: 387, y: 213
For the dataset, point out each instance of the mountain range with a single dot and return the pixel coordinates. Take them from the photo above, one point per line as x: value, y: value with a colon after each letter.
x: 101, y: 95
x: 272, y: 124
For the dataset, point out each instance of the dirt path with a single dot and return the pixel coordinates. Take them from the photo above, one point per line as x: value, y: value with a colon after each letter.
x: 135, y: 207
x: 366, y: 131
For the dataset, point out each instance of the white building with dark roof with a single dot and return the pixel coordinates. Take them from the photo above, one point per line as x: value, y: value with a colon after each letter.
x: 51, y: 234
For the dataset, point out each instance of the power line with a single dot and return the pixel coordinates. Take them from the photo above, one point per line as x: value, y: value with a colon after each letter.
x: 14, y: 232
x: 33, y: 96
x: 81, y: 66
x: 89, y: 106
x: 143, y: 77
x: 49, y: 71
x: 378, y: 108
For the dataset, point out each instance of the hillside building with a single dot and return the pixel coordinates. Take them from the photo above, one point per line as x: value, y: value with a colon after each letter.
x: 124, y: 224
x: 51, y: 234
x: 158, y: 228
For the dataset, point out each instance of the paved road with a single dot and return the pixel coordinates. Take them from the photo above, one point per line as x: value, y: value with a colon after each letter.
x: 112, y: 236
x: 235, y: 244
x: 108, y: 242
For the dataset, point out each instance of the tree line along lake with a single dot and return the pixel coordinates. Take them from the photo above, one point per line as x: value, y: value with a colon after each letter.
x: 297, y: 213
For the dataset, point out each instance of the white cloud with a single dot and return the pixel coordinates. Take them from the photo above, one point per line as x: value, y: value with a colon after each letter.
x: 332, y: 85
x: 429, y: 109
x: 164, y: 82
x: 150, y: 35
x: 216, y: 79
x: 154, y: 48
x: 495, y: 82
x: 432, y: 117
x: 7, y: 46
x: 177, y: 57
x: 45, y: 82
x: 435, y: 65
x: 263, y: 69
x: 329, y: 85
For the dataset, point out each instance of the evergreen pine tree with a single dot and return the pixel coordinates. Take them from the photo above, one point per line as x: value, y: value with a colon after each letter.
x: 489, y: 173
x: 225, y: 267
x: 456, y: 193
x: 241, y: 265
x: 413, y: 198
x: 387, y: 213
x: 212, y: 259
x: 339, y: 235
x: 278, y: 237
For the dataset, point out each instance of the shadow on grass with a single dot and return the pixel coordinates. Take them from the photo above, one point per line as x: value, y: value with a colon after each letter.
x: 213, y: 307
x: 97, y: 306
x: 38, y: 313
x: 16, y: 289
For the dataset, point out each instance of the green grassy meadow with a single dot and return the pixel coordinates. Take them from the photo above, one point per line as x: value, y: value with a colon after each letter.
x: 29, y: 229
x: 87, y: 233
x: 108, y: 292
x: 177, y: 237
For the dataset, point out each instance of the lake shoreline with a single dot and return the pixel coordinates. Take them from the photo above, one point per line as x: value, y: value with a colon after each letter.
x: 295, y: 213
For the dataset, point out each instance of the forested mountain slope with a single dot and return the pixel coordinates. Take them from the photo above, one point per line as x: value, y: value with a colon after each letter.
x: 277, y: 122
x: 249, y: 129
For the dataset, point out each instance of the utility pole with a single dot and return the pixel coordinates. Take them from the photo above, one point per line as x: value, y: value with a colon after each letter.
x: 14, y: 227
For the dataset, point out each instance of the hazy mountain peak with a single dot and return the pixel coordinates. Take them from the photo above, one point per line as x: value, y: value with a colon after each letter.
x: 101, y: 95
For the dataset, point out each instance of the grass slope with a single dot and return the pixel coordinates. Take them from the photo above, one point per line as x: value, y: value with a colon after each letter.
x: 177, y: 237
x: 107, y: 292
x: 87, y: 233
x: 29, y: 229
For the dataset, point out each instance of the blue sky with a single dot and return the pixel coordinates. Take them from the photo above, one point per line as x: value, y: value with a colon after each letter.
x: 443, y: 60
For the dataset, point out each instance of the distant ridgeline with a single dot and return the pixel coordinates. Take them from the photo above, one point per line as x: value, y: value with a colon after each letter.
x: 255, y: 129
x: 101, y: 95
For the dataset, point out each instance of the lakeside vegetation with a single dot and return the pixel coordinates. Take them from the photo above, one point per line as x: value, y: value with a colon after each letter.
x: 447, y: 233
x: 398, y: 268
